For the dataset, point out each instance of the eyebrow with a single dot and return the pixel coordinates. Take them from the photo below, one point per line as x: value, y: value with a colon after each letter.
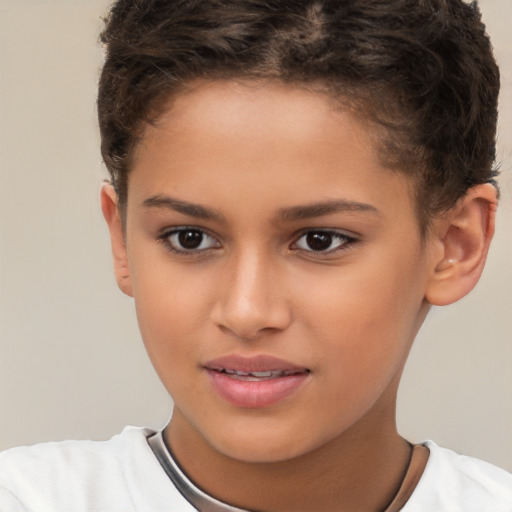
x: 184, y: 207
x: 292, y: 213
x: 324, y: 208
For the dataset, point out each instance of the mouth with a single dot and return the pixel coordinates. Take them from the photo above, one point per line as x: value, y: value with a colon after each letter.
x: 255, y: 382
x: 257, y: 376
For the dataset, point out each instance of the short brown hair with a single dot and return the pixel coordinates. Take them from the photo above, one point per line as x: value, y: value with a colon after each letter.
x: 421, y: 70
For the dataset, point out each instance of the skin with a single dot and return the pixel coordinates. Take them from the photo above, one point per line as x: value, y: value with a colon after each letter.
x: 246, y: 152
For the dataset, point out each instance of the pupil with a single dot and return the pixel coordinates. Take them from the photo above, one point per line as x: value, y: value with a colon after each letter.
x: 190, y: 239
x: 319, y: 241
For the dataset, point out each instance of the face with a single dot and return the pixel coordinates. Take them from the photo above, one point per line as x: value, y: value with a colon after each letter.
x: 277, y: 268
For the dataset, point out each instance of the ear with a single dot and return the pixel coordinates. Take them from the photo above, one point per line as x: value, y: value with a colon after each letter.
x: 110, y: 211
x: 464, y: 233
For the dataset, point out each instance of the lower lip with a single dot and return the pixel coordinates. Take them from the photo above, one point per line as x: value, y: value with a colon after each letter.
x: 256, y: 394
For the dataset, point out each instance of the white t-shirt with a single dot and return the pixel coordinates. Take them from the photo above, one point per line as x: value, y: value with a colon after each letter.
x: 123, y: 475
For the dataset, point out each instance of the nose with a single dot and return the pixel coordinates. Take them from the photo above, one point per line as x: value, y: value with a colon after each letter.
x: 251, y: 297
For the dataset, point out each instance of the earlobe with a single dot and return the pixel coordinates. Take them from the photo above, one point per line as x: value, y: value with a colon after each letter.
x: 465, y: 234
x: 112, y: 217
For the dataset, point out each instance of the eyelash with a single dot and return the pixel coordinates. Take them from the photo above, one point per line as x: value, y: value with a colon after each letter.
x: 166, y: 237
x: 346, y: 241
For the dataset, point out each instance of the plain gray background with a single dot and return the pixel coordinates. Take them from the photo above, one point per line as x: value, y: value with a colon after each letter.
x: 71, y: 361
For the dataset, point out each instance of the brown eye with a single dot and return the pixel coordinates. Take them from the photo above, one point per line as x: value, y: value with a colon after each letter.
x: 190, y: 240
x: 322, y: 241
x: 319, y: 241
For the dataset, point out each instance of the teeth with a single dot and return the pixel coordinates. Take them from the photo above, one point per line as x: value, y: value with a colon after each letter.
x: 263, y: 374
x: 254, y: 376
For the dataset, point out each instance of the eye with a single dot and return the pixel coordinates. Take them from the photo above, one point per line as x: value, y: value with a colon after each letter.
x: 189, y: 240
x: 320, y: 241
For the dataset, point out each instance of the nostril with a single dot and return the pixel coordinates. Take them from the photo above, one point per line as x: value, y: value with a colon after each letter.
x: 249, y: 301
x: 249, y: 326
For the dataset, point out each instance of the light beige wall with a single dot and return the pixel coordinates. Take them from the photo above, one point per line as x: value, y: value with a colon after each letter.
x: 71, y: 362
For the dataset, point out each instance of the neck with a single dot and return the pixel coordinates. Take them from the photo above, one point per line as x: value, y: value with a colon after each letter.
x: 362, y: 469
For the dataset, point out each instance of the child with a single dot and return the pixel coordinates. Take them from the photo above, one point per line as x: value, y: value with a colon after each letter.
x: 294, y: 184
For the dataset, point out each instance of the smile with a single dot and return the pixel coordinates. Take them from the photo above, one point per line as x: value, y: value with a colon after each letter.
x: 258, y: 376
x: 255, y: 382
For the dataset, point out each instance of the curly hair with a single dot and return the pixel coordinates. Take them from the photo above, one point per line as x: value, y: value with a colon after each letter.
x: 421, y: 71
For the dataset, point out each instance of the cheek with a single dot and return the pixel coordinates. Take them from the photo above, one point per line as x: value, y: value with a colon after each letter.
x: 170, y: 331
x: 172, y: 310
x: 368, y: 319
x: 366, y: 296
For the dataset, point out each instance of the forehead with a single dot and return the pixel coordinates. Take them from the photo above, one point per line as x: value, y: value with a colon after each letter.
x: 272, y: 140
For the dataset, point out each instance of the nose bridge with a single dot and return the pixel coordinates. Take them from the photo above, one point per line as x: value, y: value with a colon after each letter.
x: 251, y: 299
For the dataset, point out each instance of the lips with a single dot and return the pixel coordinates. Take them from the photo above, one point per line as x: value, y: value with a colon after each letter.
x: 254, y: 382
x: 257, y: 376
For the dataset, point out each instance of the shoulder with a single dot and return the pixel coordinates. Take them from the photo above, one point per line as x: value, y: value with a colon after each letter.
x: 453, y: 482
x: 84, y: 475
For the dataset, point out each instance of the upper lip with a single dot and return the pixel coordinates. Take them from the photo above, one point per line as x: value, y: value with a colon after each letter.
x: 259, y: 363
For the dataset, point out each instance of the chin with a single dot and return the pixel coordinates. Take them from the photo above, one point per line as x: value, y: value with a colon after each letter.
x: 256, y: 446
x: 258, y: 454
